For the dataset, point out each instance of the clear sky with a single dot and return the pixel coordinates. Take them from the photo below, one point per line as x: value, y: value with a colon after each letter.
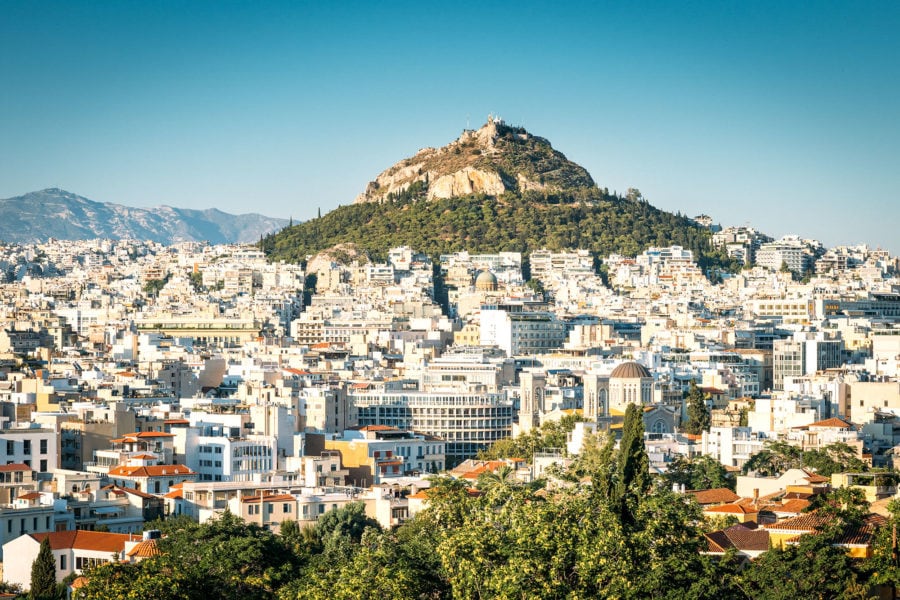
x: 782, y: 115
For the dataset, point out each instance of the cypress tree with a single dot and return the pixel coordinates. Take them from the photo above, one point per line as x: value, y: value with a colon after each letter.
x: 43, y: 573
x: 698, y: 413
x: 633, y: 470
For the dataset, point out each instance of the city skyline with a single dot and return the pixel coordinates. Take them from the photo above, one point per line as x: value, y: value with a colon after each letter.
x: 783, y: 117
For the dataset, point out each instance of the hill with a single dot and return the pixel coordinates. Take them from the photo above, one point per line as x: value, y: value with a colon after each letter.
x: 492, y: 160
x: 495, y: 189
x: 55, y: 213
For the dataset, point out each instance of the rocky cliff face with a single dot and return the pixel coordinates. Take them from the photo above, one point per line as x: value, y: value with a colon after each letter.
x: 491, y: 160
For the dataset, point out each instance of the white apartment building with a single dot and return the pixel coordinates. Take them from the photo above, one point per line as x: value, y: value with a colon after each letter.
x: 731, y: 446
x: 215, y: 453
x: 31, y: 445
x: 467, y: 422
x: 805, y: 354
x: 521, y: 332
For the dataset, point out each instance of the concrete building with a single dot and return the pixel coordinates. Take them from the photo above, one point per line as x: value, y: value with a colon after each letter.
x: 519, y: 331
x: 467, y: 422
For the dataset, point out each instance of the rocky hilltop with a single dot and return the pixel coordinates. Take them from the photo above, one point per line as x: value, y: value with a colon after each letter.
x: 55, y: 213
x: 494, y: 159
x: 497, y: 188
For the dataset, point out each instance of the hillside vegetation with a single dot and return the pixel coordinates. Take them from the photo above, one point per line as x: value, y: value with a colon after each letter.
x: 513, y: 222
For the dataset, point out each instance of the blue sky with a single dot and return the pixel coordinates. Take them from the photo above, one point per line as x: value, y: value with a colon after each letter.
x: 783, y: 115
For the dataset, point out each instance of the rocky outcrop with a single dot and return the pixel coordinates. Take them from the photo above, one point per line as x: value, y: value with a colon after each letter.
x: 491, y: 160
x: 465, y: 182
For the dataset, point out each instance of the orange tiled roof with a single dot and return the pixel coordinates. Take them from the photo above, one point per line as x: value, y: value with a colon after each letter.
x: 145, y: 549
x: 30, y: 496
x: 797, y: 505
x: 832, y: 423
x: 293, y: 371
x: 805, y: 522
x: 714, y: 496
x: 12, y: 467
x: 85, y: 540
x: 150, y: 471
x: 863, y: 535
x: 732, y: 509
x: 741, y: 537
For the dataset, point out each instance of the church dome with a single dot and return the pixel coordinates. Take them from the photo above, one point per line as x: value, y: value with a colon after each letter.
x: 630, y: 370
x: 486, y: 281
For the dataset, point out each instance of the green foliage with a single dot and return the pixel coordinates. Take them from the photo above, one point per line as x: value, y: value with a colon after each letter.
x: 349, y: 522
x: 810, y: 569
x: 153, y: 286
x: 777, y: 457
x: 698, y: 412
x: 586, y: 218
x: 196, y: 280
x: 699, y: 473
x: 43, y: 573
x: 551, y: 434
x: 632, y: 466
x: 834, y: 458
x: 223, y: 558
x: 619, y: 536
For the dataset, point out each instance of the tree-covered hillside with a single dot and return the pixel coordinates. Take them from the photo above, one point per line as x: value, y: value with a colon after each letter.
x: 592, y: 219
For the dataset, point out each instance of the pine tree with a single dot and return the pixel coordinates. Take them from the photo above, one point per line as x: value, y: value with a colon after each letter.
x: 43, y: 573
x: 697, y: 411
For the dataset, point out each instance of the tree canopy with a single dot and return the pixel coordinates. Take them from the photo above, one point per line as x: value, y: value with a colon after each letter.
x: 607, y: 529
x: 587, y: 218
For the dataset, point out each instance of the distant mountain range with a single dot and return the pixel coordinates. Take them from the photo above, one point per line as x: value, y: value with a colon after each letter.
x: 56, y: 213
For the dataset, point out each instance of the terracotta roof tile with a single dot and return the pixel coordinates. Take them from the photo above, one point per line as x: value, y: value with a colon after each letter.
x: 150, y: 471
x: 805, y: 522
x: 13, y: 467
x: 145, y: 549
x: 796, y: 506
x: 713, y: 496
x: 863, y: 535
x: 731, y: 509
x: 86, y: 540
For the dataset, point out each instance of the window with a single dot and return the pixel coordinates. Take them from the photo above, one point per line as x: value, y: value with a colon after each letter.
x: 62, y: 562
x: 26, y: 446
x: 286, y: 508
x: 43, y: 446
x: 270, y: 508
x: 43, y: 465
x: 10, y: 447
